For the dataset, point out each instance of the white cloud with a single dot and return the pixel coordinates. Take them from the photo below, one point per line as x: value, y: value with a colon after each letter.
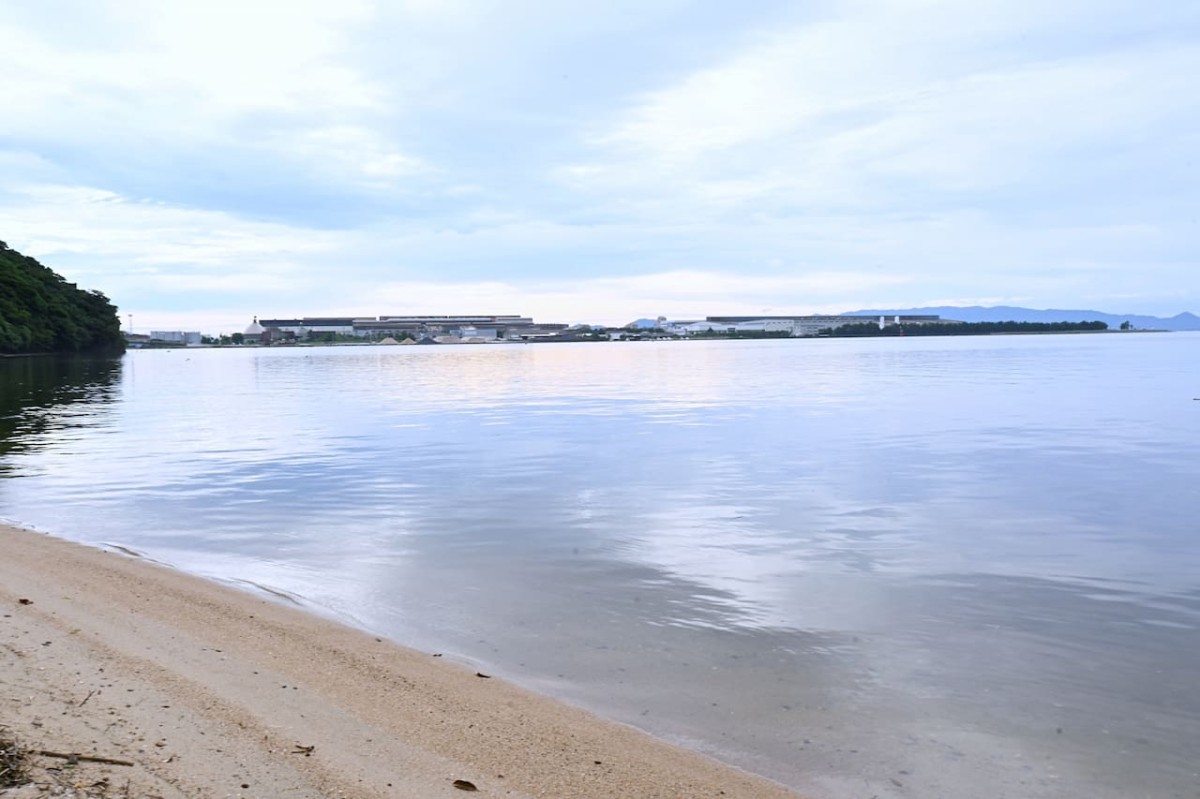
x: 617, y: 300
x: 348, y: 150
x: 80, y: 219
x: 203, y: 62
x: 147, y: 250
x: 856, y: 152
x: 243, y: 85
x: 148, y: 256
x: 887, y: 103
x: 235, y: 56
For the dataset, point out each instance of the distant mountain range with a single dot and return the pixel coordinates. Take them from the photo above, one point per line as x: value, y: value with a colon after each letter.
x: 1008, y: 313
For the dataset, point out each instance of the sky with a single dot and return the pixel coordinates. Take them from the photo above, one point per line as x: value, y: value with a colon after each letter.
x: 204, y: 161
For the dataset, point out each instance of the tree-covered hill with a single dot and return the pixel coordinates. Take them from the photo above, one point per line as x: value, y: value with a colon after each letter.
x: 42, y: 312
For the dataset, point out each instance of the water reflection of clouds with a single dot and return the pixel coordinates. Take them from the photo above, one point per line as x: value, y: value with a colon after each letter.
x: 768, y: 494
x: 820, y: 558
x: 591, y: 509
x: 587, y: 376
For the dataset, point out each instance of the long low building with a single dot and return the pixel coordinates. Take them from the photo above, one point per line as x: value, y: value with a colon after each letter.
x: 299, y: 328
x: 485, y: 326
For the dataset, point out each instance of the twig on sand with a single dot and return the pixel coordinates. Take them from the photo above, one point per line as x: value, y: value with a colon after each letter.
x: 12, y: 763
x: 112, y: 761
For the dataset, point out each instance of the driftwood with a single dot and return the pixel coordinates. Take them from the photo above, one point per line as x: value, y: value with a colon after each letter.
x: 111, y: 761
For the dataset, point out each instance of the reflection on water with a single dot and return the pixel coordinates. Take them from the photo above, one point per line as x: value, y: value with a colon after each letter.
x: 894, y: 568
x: 41, y: 397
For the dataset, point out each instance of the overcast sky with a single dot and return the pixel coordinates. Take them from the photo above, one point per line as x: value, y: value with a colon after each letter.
x: 201, y: 161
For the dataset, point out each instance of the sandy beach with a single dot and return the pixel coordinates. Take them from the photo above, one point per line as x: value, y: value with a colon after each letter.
x: 201, y: 690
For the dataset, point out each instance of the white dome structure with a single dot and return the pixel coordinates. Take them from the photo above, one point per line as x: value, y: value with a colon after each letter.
x: 256, y: 334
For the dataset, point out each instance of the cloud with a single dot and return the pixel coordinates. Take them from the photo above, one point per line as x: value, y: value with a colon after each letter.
x: 151, y: 257
x: 982, y: 147
x: 613, y: 300
x: 801, y: 116
x: 348, y: 150
x: 298, y: 156
x: 79, y: 219
x: 147, y: 255
x: 893, y: 103
x: 199, y: 103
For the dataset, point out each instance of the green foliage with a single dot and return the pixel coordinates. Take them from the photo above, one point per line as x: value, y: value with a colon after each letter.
x: 42, y: 312
x: 961, y: 328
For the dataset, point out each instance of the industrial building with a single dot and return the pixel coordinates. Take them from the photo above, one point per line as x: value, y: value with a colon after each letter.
x: 488, y: 327
x: 300, y: 328
x: 185, y: 337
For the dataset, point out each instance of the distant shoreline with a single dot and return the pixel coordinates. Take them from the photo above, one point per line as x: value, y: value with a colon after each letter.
x: 660, y: 338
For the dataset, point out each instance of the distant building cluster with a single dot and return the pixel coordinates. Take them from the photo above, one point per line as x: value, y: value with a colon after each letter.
x: 796, y: 326
x: 488, y: 328
x: 491, y: 328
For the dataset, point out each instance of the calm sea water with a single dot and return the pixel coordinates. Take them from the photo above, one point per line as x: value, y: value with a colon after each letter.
x: 892, y: 568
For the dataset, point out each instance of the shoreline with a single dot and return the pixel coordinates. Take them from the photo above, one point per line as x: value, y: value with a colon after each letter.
x: 210, y: 691
x: 670, y: 338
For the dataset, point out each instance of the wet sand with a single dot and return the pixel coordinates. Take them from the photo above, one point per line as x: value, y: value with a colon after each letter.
x: 211, y: 692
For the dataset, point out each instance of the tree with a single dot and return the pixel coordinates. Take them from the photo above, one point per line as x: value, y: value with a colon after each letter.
x: 41, y: 312
x: 1126, y: 325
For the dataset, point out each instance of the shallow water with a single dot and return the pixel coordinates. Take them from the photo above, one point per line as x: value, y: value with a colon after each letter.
x: 917, y: 567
